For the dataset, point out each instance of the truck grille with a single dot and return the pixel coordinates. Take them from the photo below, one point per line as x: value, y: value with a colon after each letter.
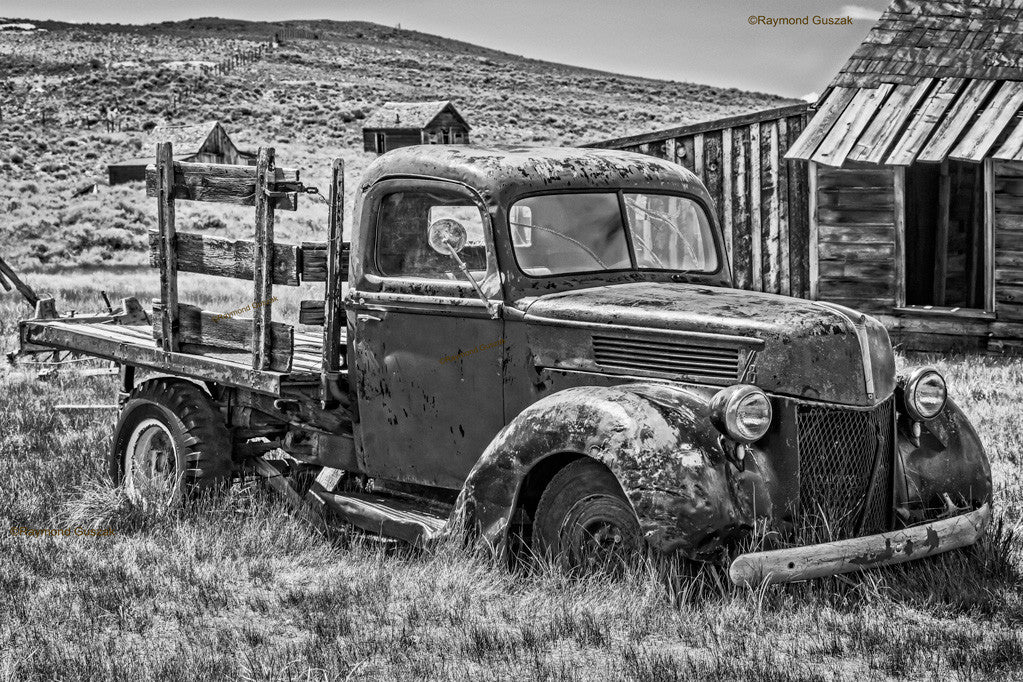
x: 719, y: 364
x: 838, y: 453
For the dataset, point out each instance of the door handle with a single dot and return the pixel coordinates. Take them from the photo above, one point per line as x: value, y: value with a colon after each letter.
x: 362, y: 317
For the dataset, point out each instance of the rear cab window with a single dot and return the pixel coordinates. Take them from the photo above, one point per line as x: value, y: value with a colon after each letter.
x: 402, y: 228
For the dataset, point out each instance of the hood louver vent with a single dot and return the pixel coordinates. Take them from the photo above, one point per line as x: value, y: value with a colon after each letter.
x: 717, y: 364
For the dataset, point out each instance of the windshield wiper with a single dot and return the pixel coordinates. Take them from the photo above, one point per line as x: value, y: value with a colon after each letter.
x: 667, y: 220
x: 572, y: 240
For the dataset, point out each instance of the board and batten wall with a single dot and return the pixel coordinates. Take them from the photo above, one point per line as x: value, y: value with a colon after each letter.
x: 1008, y: 209
x: 760, y: 198
x: 858, y: 234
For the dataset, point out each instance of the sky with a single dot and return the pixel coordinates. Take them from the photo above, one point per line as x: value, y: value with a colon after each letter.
x: 702, y: 41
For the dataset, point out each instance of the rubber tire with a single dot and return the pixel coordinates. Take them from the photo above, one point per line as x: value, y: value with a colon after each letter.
x: 582, y: 492
x: 202, y: 443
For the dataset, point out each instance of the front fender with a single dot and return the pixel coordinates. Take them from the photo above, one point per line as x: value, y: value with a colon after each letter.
x: 658, y: 441
x: 945, y: 468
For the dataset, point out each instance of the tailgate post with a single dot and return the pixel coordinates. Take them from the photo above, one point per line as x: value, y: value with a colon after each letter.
x: 263, y: 268
x: 333, y: 309
x: 167, y: 256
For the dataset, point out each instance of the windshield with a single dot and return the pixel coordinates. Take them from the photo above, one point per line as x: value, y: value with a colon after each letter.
x: 556, y: 234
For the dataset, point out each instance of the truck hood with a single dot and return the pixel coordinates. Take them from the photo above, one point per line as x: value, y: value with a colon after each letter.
x: 787, y: 346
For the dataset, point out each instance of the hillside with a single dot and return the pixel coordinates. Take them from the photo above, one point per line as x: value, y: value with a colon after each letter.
x: 307, y: 98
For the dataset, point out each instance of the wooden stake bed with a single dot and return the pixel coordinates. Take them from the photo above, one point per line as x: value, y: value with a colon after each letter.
x: 253, y: 352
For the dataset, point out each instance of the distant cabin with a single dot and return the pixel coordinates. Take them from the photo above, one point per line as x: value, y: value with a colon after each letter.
x: 201, y: 143
x: 403, y: 124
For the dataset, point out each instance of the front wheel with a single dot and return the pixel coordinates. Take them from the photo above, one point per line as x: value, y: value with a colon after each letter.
x: 171, y: 438
x: 584, y: 522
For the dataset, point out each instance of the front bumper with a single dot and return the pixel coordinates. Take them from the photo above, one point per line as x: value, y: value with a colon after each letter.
x: 857, y: 554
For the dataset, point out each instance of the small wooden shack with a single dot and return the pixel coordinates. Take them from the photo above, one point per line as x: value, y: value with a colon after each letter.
x: 915, y: 157
x: 200, y: 143
x: 403, y: 124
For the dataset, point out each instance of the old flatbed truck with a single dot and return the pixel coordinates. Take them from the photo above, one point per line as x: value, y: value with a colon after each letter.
x: 543, y: 347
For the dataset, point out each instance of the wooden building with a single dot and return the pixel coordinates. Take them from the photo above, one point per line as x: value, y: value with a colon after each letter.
x: 915, y: 158
x: 403, y: 124
x: 201, y: 142
x: 760, y: 198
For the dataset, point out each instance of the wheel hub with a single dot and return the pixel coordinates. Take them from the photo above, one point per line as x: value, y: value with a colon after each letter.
x: 151, y: 457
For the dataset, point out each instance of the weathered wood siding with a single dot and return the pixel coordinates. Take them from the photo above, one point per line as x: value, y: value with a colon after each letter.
x: 395, y: 138
x: 760, y: 199
x: 1009, y: 241
x: 218, y: 148
x: 446, y: 119
x: 857, y: 237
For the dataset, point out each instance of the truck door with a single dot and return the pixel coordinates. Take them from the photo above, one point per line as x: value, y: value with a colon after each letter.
x: 427, y: 356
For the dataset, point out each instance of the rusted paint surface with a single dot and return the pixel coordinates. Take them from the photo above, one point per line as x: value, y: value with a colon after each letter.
x: 948, y: 471
x: 810, y: 351
x: 657, y: 440
x: 421, y: 421
x: 500, y: 175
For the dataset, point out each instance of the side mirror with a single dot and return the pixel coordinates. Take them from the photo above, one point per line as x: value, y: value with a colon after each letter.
x: 446, y: 236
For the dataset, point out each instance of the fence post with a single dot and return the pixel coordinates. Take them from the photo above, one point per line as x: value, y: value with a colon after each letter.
x: 168, y: 254
x: 262, y: 338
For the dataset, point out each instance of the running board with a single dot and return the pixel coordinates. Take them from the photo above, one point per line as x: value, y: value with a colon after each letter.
x: 387, y: 516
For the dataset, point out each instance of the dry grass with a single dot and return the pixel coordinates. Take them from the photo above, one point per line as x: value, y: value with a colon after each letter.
x: 236, y: 588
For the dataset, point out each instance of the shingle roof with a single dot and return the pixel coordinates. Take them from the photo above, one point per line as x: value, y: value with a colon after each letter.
x: 932, y: 81
x: 917, y: 39
x: 415, y: 115
x: 187, y: 139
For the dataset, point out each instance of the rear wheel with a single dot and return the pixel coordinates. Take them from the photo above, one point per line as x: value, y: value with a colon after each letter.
x: 583, y: 520
x: 170, y: 437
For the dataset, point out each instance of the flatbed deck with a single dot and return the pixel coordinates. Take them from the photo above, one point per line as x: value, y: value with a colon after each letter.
x: 136, y: 345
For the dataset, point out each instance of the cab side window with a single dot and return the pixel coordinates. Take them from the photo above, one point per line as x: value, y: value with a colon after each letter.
x: 402, y: 235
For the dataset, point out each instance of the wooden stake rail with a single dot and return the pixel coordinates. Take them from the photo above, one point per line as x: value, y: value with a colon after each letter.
x: 225, y: 184
x: 267, y: 188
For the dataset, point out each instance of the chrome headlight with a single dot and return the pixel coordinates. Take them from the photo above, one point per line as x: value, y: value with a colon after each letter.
x: 741, y: 412
x: 925, y: 394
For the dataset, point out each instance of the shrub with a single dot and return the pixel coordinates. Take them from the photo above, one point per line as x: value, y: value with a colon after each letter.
x: 208, y: 222
x: 28, y: 188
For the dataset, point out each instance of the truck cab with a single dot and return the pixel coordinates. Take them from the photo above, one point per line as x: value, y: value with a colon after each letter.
x: 516, y: 313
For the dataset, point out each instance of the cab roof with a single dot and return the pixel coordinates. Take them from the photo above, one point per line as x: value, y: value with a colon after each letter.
x: 501, y: 175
